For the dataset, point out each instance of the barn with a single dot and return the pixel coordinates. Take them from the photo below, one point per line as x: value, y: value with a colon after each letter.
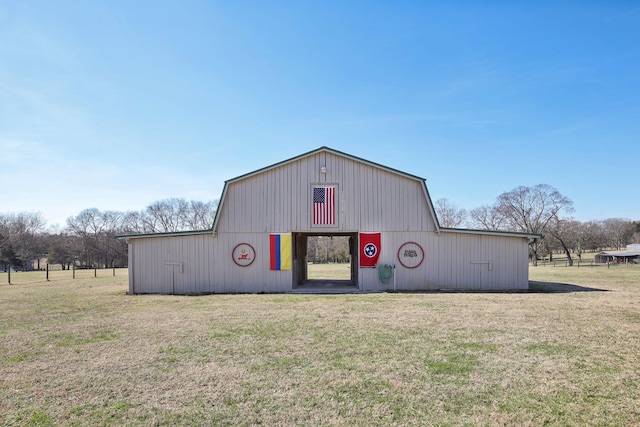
x: 265, y: 219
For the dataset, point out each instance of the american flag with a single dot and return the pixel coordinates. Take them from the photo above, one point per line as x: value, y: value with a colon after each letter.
x: 324, y: 205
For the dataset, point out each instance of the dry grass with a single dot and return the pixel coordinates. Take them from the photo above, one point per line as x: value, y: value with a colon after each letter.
x: 81, y: 352
x: 329, y: 271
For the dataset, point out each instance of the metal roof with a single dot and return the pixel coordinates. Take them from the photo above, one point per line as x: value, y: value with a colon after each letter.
x: 620, y: 253
x: 493, y: 232
x: 355, y: 158
x: 314, y: 152
x: 163, y: 234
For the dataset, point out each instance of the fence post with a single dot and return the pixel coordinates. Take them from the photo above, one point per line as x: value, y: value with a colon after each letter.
x: 95, y: 271
x: 73, y: 267
x: 47, y: 272
x: 9, y: 276
x: 114, y: 271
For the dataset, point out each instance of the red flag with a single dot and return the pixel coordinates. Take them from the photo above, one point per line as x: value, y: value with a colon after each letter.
x: 369, y: 249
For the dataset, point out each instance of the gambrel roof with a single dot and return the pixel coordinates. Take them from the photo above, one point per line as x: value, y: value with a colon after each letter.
x: 324, y: 149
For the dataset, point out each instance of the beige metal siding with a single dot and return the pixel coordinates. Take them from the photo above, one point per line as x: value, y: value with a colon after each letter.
x: 368, y: 198
x: 476, y: 261
x: 454, y: 261
x: 207, y: 266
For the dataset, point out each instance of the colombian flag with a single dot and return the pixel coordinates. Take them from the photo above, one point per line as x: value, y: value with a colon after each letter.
x: 280, y: 248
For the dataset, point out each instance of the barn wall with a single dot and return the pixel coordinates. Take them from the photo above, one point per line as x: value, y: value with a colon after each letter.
x: 454, y: 261
x: 202, y: 264
x: 368, y: 198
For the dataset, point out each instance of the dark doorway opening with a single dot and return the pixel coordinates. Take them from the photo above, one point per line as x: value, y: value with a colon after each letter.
x: 325, y: 260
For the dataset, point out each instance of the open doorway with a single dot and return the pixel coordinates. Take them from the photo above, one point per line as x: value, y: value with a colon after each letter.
x: 327, y: 259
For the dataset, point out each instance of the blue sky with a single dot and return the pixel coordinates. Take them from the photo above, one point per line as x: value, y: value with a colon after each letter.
x: 117, y: 104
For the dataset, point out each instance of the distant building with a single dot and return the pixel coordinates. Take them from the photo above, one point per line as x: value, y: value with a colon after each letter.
x: 632, y: 254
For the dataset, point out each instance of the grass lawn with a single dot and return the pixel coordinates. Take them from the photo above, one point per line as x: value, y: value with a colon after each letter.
x: 329, y: 271
x: 81, y: 352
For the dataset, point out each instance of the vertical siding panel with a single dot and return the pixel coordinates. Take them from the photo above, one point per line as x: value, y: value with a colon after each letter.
x: 196, y: 251
x: 281, y: 221
x: 294, y: 184
x: 348, y: 205
x: 164, y: 279
x: 182, y: 255
x: 214, y: 261
x: 445, y: 273
x: 200, y: 258
x: 369, y: 200
x: 185, y: 278
x: 229, y: 283
x: 286, y: 203
x: 360, y: 199
x: 155, y: 263
x: 207, y: 259
x: 305, y: 198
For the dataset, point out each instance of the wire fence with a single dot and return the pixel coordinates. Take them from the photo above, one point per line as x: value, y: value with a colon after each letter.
x: 51, y: 275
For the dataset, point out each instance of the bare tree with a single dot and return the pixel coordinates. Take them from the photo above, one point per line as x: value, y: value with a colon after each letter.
x: 109, y: 249
x: 449, y: 215
x: 7, y: 254
x: 588, y: 236
x: 618, y: 231
x: 97, y: 231
x: 87, y: 225
x: 133, y: 222
x: 167, y: 215
x: 564, y: 231
x: 5, y: 241
x: 63, y: 248
x: 487, y: 217
x: 201, y: 215
x: 531, y: 209
x: 25, y: 229
x: 635, y: 238
x: 175, y: 214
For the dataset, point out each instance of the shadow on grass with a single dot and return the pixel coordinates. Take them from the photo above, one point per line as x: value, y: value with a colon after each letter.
x: 559, y: 288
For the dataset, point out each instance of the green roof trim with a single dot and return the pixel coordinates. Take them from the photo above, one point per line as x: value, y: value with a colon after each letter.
x: 493, y: 232
x: 164, y: 234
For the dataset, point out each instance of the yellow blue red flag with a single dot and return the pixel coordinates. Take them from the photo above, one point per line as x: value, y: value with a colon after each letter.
x: 280, y: 249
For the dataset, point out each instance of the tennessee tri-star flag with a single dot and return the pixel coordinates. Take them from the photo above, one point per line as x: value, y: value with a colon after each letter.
x: 324, y: 205
x: 280, y: 250
x: 369, y: 249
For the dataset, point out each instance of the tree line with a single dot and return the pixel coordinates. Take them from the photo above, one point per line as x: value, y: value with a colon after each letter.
x: 542, y: 209
x: 88, y: 239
